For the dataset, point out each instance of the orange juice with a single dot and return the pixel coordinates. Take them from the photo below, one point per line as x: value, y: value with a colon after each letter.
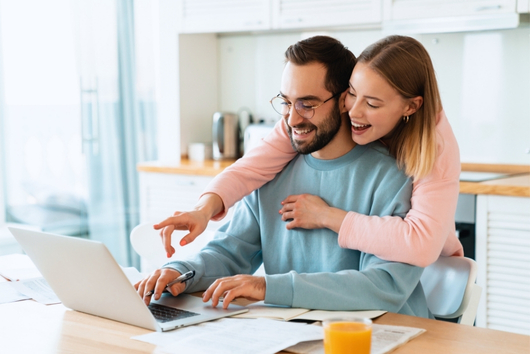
x: 343, y: 337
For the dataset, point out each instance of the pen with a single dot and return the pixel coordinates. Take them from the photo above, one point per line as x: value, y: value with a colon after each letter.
x: 181, y: 279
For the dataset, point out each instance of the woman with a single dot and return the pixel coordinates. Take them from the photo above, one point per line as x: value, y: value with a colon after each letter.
x: 392, y: 70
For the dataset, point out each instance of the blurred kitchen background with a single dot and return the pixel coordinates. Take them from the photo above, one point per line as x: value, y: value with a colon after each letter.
x: 100, y: 101
x: 89, y: 89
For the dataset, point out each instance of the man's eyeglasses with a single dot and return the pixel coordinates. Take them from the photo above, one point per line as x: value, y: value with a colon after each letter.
x: 305, y: 108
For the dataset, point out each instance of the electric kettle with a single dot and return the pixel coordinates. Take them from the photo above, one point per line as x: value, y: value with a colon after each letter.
x: 225, y: 134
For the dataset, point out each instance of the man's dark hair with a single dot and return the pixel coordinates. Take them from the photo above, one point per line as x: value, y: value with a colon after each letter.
x: 336, y: 58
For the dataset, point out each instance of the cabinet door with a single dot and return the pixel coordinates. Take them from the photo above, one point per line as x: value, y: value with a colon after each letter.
x: 202, y: 16
x: 161, y: 194
x: 323, y: 13
x: 421, y: 9
x: 503, y: 258
x: 523, y: 6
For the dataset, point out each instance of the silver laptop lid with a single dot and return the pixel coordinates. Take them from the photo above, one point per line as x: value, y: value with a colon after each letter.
x: 86, y: 278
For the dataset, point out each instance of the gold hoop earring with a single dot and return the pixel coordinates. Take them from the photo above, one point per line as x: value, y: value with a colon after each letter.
x: 406, y: 119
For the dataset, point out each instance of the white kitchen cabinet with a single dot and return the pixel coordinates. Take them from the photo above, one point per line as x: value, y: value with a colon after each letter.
x: 297, y: 14
x: 503, y: 257
x: 437, y: 16
x: 523, y: 6
x: 201, y: 16
x: 420, y: 9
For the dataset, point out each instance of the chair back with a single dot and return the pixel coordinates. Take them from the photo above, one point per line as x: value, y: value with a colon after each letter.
x: 449, y: 286
x: 146, y: 241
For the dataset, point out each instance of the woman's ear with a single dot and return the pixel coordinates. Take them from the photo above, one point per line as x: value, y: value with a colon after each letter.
x: 342, y: 102
x: 413, y: 105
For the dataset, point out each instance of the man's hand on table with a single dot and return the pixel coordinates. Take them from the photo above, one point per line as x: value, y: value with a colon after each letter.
x: 247, y: 286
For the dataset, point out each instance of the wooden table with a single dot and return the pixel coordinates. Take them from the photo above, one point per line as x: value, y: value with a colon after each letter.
x: 29, y: 327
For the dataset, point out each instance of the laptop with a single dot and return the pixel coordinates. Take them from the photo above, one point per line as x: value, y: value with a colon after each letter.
x: 87, y: 278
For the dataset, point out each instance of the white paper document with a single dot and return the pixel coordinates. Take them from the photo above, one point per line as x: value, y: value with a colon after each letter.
x: 37, y: 289
x: 233, y: 336
x: 9, y: 294
x: 385, y: 338
x: 261, y: 310
x: 17, y: 267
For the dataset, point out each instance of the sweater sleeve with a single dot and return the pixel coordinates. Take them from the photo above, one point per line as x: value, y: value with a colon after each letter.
x: 253, y: 170
x: 377, y: 285
x: 236, y: 249
x: 428, y: 229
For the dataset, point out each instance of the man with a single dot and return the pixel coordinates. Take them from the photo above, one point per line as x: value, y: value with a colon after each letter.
x: 306, y: 268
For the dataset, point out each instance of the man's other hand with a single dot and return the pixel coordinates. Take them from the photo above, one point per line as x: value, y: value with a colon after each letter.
x: 247, y: 286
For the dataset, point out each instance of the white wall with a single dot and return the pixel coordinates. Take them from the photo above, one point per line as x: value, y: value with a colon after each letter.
x: 198, y: 87
x: 484, y: 79
x: 166, y: 48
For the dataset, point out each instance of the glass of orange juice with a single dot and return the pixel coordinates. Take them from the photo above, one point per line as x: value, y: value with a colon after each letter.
x: 347, y: 335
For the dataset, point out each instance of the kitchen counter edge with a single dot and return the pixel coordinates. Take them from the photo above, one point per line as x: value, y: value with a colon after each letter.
x: 517, y: 185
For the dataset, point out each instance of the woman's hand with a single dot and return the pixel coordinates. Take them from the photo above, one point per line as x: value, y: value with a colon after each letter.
x: 154, y: 285
x: 194, y: 221
x: 308, y: 211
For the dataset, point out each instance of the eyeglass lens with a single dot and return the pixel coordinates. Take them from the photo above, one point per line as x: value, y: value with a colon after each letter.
x: 281, y: 106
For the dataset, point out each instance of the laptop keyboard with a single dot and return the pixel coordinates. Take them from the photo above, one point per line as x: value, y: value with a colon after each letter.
x: 165, y: 314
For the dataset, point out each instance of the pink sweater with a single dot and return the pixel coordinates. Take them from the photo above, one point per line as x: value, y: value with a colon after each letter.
x: 427, y: 231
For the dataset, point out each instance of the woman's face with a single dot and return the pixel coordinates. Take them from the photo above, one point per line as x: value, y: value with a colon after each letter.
x: 375, y: 108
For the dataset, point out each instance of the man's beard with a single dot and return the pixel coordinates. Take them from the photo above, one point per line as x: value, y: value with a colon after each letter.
x: 324, y: 133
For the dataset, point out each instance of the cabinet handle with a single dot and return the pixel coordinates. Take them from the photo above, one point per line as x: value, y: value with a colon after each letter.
x: 252, y: 23
x: 185, y: 183
x: 293, y: 20
x: 487, y: 8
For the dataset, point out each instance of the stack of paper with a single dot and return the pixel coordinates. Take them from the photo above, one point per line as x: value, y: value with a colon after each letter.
x: 26, y: 282
x: 17, y: 267
x: 385, y: 338
x: 37, y: 289
x: 261, y: 310
x: 233, y: 336
x: 9, y: 294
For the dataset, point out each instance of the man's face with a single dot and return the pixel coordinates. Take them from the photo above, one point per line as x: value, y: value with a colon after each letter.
x: 307, y: 83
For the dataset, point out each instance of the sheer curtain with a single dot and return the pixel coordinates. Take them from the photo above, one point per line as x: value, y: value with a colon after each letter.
x: 79, y: 114
x: 44, y: 170
x: 2, y: 139
x: 118, y: 117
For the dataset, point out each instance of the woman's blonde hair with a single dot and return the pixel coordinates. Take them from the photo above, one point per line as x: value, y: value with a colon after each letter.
x: 406, y: 65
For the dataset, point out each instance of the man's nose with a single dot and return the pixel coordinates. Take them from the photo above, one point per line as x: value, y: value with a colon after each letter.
x: 294, y: 118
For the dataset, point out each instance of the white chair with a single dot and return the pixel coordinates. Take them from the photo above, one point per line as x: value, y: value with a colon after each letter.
x: 449, y: 285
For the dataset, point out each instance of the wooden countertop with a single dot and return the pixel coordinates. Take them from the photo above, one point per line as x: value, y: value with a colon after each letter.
x: 517, y: 185
x: 186, y: 167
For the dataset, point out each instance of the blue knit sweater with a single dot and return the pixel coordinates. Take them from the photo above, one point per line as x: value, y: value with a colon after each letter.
x: 307, y: 268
